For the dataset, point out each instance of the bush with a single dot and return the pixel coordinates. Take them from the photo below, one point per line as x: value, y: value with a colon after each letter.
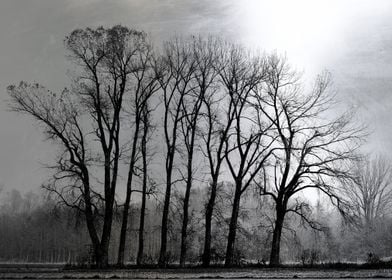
x: 310, y: 256
x: 373, y: 258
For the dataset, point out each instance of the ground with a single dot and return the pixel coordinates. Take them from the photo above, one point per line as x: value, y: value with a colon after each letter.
x: 8, y: 271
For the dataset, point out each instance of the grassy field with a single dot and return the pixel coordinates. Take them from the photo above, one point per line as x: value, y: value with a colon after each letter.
x: 39, y: 271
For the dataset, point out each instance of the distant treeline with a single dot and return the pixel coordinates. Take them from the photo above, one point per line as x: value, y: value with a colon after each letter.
x: 39, y: 230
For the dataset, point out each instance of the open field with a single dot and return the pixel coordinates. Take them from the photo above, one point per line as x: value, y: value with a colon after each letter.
x: 57, y: 272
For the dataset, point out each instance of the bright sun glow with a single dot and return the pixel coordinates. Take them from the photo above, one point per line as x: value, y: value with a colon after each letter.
x: 295, y: 27
x: 306, y: 30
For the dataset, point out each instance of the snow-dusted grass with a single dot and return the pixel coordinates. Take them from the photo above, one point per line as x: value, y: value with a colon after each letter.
x: 218, y: 273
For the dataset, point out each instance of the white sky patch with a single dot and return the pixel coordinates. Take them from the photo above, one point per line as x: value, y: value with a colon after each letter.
x: 308, y: 31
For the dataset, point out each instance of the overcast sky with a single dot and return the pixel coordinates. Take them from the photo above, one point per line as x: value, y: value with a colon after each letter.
x: 350, y: 38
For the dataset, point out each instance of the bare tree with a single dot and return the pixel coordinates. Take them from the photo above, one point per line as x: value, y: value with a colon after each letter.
x: 61, y: 119
x: 214, y: 138
x: 370, y: 191
x: 174, y: 70
x: 146, y: 136
x: 92, y: 109
x: 215, y: 126
x: 312, y: 150
x: 248, y: 144
x: 144, y: 86
x: 204, y: 74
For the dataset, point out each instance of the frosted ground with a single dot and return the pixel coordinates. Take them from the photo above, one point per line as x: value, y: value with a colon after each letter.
x: 53, y: 272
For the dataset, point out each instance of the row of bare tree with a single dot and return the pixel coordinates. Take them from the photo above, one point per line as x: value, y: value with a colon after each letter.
x: 225, y: 113
x: 34, y: 228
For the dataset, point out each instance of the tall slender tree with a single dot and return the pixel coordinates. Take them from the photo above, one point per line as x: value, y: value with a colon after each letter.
x: 249, y: 143
x: 202, y: 52
x: 146, y: 135
x: 217, y: 118
x: 144, y: 86
x: 175, y: 72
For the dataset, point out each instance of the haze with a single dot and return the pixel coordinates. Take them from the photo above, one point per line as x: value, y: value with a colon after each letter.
x: 350, y: 38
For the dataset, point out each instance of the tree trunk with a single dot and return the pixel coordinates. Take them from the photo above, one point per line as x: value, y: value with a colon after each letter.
x: 109, y: 186
x: 209, y: 212
x: 275, y: 248
x: 165, y: 216
x: 124, y: 224
x: 101, y: 256
x: 140, y: 253
x: 184, y: 228
x: 233, y: 227
x: 90, y: 224
x: 106, y: 233
x: 123, y: 232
